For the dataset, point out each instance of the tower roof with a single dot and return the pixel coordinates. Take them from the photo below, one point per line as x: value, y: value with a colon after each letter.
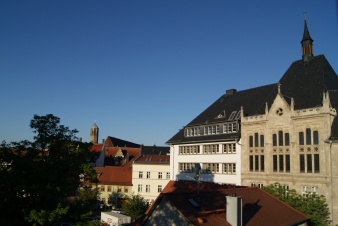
x: 306, y: 34
x: 94, y: 125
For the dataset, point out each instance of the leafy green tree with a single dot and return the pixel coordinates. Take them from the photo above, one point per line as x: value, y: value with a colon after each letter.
x: 135, y: 206
x: 312, y: 205
x: 40, y: 178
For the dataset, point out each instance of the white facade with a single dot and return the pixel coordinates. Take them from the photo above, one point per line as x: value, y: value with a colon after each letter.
x: 150, y: 179
x: 220, y: 161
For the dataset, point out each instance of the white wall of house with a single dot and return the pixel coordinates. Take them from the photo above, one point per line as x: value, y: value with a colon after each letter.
x: 226, y: 165
x: 149, y: 185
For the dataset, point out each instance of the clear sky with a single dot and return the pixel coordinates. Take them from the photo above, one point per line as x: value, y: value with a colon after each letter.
x: 143, y: 69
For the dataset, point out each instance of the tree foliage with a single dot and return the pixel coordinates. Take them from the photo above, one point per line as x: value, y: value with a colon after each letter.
x: 135, y: 206
x: 311, y: 204
x: 39, y: 178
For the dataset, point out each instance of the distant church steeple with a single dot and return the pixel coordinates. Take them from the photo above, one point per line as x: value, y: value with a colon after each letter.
x: 307, y: 47
x: 94, y: 134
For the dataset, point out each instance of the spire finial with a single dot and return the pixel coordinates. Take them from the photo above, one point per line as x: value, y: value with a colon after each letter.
x: 304, y: 15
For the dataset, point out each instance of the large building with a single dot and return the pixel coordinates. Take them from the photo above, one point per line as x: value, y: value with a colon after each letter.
x: 151, y: 172
x: 285, y: 132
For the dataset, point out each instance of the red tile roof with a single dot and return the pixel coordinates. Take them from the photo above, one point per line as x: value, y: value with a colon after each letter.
x: 111, y: 151
x: 96, y: 148
x: 153, y: 159
x: 117, y: 175
x: 259, y: 207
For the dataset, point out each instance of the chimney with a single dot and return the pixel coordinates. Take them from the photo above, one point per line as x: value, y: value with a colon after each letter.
x: 234, y: 210
x: 231, y: 91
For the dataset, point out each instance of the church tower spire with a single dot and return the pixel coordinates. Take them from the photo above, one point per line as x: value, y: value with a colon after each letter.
x: 307, y: 47
x: 94, y: 134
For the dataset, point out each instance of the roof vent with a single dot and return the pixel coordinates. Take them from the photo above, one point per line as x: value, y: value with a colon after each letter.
x: 231, y: 91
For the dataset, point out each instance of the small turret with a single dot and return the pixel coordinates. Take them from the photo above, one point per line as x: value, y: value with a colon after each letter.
x: 307, y: 46
x: 94, y: 134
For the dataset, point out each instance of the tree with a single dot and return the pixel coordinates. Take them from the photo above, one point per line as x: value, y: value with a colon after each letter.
x: 40, y: 177
x: 135, y: 206
x: 311, y: 204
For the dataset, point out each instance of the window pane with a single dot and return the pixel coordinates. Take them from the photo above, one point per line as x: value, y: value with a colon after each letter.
x: 287, y: 139
x: 262, y: 163
x: 281, y: 163
x: 315, y: 137
x: 308, y: 136
x: 274, y: 163
x: 301, y: 138
x: 274, y: 139
x: 302, y: 163
x: 316, y: 162
x: 251, y: 141
x: 280, y: 138
x: 262, y: 141
x: 256, y: 163
x: 287, y: 163
x: 251, y: 162
x: 256, y: 139
x: 309, y: 163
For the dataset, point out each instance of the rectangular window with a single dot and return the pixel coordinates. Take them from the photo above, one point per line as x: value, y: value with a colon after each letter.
x: 301, y: 138
x: 274, y: 163
x: 250, y: 141
x: 256, y: 163
x: 147, y: 188
x: 234, y: 127
x: 119, y: 189
x: 262, y: 163
x: 281, y: 163
x: 168, y: 176
x: 160, y: 175
x: 233, y: 148
x: 256, y: 139
x: 302, y: 163
x: 287, y: 163
x: 287, y: 139
x: 315, y: 137
x: 274, y: 139
x: 251, y: 163
x: 280, y: 138
x: 225, y: 128
x: 148, y: 174
x: 205, y: 130
x: 102, y: 188
x: 159, y: 189
x: 262, y: 141
x: 125, y: 189
x: 316, y: 162
x: 139, y: 188
x: 140, y: 174
x: 108, y: 188
x: 309, y: 163
x: 308, y: 136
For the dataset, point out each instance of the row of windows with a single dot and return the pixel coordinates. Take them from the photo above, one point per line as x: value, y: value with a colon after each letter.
x: 309, y: 163
x: 140, y: 188
x: 159, y: 175
x: 212, y: 129
x: 283, y: 139
x: 206, y: 168
x: 108, y: 188
x: 208, y: 149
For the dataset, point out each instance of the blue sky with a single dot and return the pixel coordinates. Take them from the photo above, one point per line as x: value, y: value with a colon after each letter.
x: 143, y: 69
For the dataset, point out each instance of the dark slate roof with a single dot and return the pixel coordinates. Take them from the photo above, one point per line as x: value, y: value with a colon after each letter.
x: 305, y: 82
x: 155, y: 150
x: 115, y: 142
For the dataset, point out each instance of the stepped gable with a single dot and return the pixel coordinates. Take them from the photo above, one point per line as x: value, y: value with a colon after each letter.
x: 306, y: 82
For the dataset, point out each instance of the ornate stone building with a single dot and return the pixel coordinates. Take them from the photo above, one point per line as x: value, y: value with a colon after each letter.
x: 285, y: 132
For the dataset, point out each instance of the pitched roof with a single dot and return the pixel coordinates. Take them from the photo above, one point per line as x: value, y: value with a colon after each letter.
x: 305, y: 82
x: 153, y: 159
x: 259, y: 207
x: 96, y: 148
x: 155, y: 150
x: 112, y: 151
x: 117, y: 175
x: 116, y: 142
